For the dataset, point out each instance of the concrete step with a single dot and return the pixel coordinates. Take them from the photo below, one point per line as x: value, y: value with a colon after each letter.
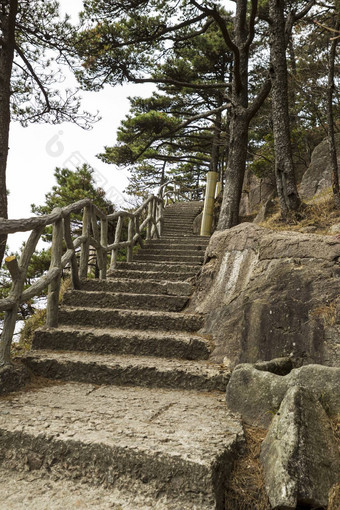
x: 121, y: 341
x: 133, y: 319
x: 156, y: 275
x: 126, y: 370
x: 138, y: 286
x: 125, y: 300
x: 167, y: 449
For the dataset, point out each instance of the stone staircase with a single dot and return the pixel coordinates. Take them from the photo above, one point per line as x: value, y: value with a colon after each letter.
x: 126, y: 406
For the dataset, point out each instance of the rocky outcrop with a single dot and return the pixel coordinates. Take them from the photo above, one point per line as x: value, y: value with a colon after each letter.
x: 318, y: 176
x: 255, y: 192
x: 300, y: 454
x: 270, y: 294
x: 257, y: 394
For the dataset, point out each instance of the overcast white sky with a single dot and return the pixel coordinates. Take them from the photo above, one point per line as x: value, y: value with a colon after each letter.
x: 37, y: 150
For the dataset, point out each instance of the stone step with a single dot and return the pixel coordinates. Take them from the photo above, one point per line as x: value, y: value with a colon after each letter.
x: 171, y: 449
x: 178, y: 236
x: 47, y: 493
x: 183, y: 241
x: 117, y: 341
x: 177, y: 228
x: 157, y: 275
x: 100, y: 299
x: 182, y: 250
x: 178, y: 222
x: 133, y: 319
x: 175, y: 247
x: 169, y: 257
x: 138, y: 286
x: 169, y: 267
x: 126, y: 370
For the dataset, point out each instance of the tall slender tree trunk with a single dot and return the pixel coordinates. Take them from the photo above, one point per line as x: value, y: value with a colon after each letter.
x: 216, y: 143
x: 330, y: 121
x: 284, y: 166
x: 238, y: 143
x: 229, y: 214
x: 8, y: 12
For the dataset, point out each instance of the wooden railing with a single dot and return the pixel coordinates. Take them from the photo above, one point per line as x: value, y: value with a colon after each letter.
x: 143, y: 223
x: 172, y: 192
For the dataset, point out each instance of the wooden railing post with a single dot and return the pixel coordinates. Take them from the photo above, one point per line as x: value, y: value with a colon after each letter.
x: 18, y: 273
x: 159, y: 218
x: 99, y: 251
x: 139, y: 237
x: 11, y: 315
x: 70, y: 245
x: 103, y: 242
x: 84, y: 254
x: 116, y: 241
x: 54, y: 287
x: 149, y: 225
x: 130, y: 240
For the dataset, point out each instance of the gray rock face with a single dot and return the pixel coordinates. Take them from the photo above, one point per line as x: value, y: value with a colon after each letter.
x: 299, y: 454
x: 262, y: 292
x: 257, y: 394
x: 13, y: 378
x: 255, y: 192
x: 318, y: 175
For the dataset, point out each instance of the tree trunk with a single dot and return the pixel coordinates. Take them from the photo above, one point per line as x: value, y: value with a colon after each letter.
x: 229, y: 214
x: 8, y: 12
x: 284, y: 167
x: 238, y: 142
x: 215, y: 151
x: 330, y: 121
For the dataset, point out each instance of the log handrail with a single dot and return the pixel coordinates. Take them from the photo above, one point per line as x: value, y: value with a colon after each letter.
x: 145, y: 222
x: 176, y: 193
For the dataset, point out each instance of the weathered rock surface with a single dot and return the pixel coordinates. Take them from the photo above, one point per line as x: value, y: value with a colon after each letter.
x: 265, y: 294
x: 300, y: 454
x: 175, y: 445
x: 255, y: 192
x: 257, y: 394
x: 318, y: 176
x: 12, y: 378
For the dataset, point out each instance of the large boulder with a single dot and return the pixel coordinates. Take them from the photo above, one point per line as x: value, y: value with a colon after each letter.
x: 300, y: 454
x: 269, y: 294
x: 318, y: 175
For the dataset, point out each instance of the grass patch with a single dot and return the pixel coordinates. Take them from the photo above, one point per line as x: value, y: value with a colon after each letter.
x: 246, y: 489
x: 328, y: 313
x: 318, y: 215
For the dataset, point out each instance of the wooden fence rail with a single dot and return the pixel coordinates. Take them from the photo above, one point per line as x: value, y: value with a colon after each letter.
x: 145, y: 222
